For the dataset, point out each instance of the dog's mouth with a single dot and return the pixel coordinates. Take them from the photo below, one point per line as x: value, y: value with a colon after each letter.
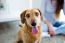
x: 34, y: 27
x: 34, y: 30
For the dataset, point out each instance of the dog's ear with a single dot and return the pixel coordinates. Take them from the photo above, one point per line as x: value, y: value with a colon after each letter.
x: 40, y: 14
x: 39, y: 11
x: 22, y: 16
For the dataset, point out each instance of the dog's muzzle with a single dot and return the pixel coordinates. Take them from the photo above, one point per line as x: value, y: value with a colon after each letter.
x: 34, y: 28
x: 33, y: 23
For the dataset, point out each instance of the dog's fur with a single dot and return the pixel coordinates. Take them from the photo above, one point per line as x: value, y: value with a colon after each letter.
x: 25, y: 34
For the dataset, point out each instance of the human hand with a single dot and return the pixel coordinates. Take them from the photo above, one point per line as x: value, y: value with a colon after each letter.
x: 52, y: 31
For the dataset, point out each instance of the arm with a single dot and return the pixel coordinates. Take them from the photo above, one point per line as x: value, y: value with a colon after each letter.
x: 50, y: 27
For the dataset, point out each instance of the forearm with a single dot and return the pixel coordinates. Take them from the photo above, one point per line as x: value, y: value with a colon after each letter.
x: 48, y: 23
x: 50, y: 26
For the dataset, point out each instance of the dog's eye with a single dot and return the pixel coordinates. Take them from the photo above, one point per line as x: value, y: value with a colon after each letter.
x: 27, y: 15
x: 36, y: 14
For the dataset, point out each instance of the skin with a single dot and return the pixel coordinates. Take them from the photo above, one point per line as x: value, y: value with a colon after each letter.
x: 50, y: 27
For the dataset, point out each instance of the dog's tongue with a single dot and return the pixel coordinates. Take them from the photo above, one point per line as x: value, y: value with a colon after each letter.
x: 34, y: 30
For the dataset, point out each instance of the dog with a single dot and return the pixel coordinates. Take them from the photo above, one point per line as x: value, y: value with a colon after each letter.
x: 30, y: 32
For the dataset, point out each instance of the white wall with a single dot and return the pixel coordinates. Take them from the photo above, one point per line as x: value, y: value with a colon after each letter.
x: 39, y: 4
x: 36, y: 3
x: 12, y: 9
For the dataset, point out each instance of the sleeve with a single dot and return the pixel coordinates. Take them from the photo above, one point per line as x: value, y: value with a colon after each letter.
x: 60, y: 30
x: 64, y: 7
x: 43, y: 6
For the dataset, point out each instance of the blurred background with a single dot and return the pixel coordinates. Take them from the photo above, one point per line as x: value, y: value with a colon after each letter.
x: 10, y: 20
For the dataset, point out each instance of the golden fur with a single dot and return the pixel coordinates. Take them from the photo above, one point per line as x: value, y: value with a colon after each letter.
x: 25, y: 35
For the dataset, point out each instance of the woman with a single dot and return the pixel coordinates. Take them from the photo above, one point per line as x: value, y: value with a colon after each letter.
x: 51, y: 11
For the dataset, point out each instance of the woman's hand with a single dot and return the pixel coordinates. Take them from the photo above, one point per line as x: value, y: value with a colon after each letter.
x: 50, y: 28
x: 51, y: 31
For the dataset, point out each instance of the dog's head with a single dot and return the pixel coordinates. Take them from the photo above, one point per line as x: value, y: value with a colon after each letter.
x: 32, y: 17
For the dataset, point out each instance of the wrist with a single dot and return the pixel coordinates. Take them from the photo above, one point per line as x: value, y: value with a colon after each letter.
x: 48, y: 23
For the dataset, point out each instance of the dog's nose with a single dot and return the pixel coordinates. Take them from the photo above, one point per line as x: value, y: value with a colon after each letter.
x: 33, y: 24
